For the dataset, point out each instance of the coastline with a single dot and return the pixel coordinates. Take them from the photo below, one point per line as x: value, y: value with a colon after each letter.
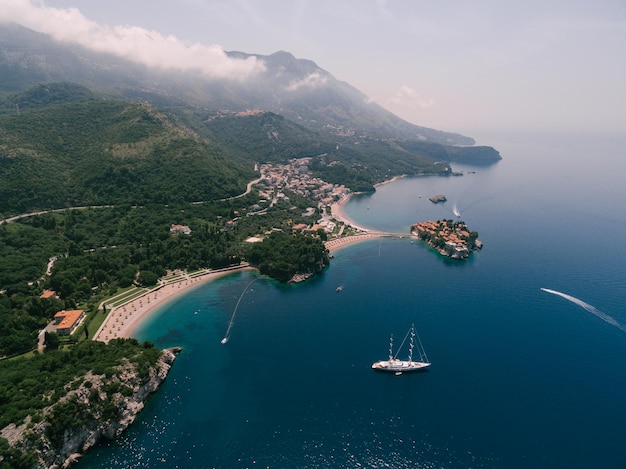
x: 339, y: 214
x: 123, y: 320
x: 395, y: 178
x: 339, y: 243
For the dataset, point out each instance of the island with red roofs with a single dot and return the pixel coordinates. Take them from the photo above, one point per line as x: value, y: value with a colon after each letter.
x: 451, y: 238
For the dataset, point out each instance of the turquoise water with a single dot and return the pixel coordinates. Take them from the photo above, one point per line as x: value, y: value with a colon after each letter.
x: 520, y: 378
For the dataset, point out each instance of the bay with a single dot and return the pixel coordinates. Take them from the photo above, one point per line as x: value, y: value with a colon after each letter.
x: 520, y: 377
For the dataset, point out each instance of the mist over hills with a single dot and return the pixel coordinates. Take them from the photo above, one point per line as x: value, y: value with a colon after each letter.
x: 295, y: 88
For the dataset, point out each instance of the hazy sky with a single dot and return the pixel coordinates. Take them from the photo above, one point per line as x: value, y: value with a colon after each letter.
x: 466, y: 66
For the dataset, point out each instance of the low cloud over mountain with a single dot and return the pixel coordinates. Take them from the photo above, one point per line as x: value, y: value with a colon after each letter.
x: 146, y: 47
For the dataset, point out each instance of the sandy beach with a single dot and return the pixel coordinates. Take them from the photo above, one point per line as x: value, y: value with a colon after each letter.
x: 122, y: 320
x: 338, y: 214
x: 335, y: 244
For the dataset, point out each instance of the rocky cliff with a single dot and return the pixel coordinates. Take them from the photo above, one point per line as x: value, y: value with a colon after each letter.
x: 96, y: 406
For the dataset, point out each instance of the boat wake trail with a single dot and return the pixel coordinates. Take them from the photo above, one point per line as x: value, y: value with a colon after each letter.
x: 456, y: 211
x: 588, y: 307
x: 232, y: 318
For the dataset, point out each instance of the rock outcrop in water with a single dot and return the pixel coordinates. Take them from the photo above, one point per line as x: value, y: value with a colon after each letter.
x: 435, y: 199
x: 100, y: 407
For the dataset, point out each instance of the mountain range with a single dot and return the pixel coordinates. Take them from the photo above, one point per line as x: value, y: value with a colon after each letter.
x: 292, y: 109
x: 28, y: 58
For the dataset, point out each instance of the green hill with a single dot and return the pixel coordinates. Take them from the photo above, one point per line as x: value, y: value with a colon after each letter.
x: 62, y: 145
x: 71, y: 149
x: 271, y: 138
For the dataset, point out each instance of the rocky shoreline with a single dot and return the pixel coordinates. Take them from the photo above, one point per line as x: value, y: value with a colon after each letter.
x: 133, y: 386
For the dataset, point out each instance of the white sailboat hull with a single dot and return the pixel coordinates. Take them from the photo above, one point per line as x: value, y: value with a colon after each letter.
x: 400, y: 366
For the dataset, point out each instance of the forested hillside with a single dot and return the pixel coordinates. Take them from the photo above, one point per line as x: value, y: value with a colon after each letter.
x: 60, y: 394
x: 88, y: 151
x: 62, y: 145
x: 271, y: 138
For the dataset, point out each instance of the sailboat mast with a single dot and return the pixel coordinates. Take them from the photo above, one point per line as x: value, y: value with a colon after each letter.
x: 422, y: 351
x: 399, y: 366
x: 402, y: 344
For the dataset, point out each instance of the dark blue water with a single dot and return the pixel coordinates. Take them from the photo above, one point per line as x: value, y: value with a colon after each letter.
x: 520, y: 377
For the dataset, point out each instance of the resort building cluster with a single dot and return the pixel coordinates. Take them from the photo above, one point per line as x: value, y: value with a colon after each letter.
x: 295, y: 176
x: 452, y: 239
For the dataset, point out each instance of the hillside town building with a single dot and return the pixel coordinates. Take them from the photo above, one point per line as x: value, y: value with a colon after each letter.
x: 67, y: 321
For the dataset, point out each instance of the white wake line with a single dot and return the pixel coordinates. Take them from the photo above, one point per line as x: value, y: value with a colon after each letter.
x: 588, y: 307
x: 232, y: 319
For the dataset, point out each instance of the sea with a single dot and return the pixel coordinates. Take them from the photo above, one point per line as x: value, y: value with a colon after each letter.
x: 527, y: 338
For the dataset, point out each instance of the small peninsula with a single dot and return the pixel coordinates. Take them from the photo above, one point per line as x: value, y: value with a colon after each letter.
x: 450, y: 238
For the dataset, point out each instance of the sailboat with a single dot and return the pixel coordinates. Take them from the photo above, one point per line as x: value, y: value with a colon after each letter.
x: 394, y: 364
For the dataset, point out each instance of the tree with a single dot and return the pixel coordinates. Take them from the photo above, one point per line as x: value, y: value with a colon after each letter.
x: 473, y: 236
x: 147, y: 278
x: 282, y: 255
x: 17, y: 341
x: 51, y: 341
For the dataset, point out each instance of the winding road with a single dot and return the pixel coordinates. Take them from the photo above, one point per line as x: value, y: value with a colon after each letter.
x: 43, y: 212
